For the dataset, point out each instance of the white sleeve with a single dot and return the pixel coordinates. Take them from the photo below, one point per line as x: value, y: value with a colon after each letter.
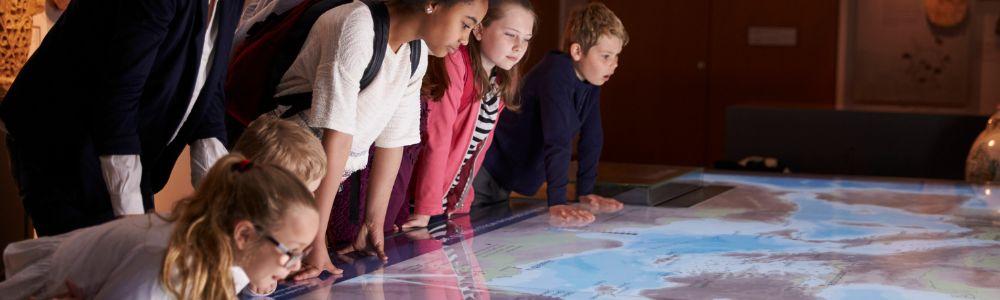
x: 404, y: 127
x: 123, y: 176
x: 345, y: 48
x: 204, y: 153
x: 135, y: 277
x: 27, y: 265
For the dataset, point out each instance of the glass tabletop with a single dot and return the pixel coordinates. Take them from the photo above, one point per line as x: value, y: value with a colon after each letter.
x: 764, y: 236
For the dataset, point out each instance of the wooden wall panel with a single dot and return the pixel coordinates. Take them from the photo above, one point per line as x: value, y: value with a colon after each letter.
x: 803, y: 75
x: 653, y: 108
x: 661, y: 108
x: 546, y: 34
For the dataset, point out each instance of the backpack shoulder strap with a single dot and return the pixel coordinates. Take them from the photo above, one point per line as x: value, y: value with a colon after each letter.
x: 415, y: 49
x: 380, y: 16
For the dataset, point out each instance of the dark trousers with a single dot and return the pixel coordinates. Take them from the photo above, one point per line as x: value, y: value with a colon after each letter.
x: 62, y: 188
x: 488, y: 190
x: 348, y: 212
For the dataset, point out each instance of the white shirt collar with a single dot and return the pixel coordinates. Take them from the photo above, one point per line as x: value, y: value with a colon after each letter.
x: 240, y: 278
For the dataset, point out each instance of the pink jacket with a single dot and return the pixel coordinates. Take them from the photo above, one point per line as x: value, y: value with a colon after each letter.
x: 450, y: 124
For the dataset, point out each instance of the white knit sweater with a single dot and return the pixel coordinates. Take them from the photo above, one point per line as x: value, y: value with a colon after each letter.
x: 331, y: 64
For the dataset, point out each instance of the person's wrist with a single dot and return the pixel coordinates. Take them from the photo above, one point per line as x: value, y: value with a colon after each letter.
x: 371, y: 224
x: 130, y: 203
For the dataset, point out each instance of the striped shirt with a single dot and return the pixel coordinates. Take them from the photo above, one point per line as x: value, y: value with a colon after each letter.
x: 489, y: 109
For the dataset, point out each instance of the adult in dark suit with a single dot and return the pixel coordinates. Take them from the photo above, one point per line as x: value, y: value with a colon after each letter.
x: 99, y: 114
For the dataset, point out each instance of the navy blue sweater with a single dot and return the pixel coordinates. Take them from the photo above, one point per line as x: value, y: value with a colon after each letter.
x: 534, y: 145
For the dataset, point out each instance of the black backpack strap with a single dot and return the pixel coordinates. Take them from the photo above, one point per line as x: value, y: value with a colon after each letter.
x: 415, y: 49
x: 380, y: 16
x: 296, y: 103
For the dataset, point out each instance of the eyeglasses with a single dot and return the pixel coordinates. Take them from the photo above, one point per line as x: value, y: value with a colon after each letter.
x: 293, y: 256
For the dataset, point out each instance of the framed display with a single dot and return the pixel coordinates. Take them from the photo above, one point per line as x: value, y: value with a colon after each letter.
x: 912, y: 53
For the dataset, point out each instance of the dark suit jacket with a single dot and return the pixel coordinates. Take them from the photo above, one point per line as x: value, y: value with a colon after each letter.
x: 117, y: 76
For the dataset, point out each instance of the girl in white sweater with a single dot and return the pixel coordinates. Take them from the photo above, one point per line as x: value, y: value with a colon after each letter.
x: 386, y: 114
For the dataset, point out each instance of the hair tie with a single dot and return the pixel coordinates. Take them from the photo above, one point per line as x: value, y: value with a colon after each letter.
x: 243, y: 166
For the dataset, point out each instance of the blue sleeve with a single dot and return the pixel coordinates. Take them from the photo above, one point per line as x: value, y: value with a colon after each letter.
x: 141, y: 27
x: 559, y: 120
x: 214, y: 124
x: 589, y: 148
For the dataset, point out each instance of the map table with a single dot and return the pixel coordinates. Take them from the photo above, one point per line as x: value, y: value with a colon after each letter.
x: 767, y: 237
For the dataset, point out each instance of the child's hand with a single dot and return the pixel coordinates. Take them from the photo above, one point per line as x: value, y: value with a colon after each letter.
x: 370, y: 240
x: 416, y: 221
x: 565, y: 215
x: 601, y: 204
x: 307, y: 271
x: 320, y: 259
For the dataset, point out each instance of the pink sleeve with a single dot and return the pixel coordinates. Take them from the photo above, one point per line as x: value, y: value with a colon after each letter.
x: 431, y: 180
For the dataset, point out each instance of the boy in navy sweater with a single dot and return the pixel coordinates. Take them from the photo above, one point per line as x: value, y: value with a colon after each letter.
x: 560, y: 99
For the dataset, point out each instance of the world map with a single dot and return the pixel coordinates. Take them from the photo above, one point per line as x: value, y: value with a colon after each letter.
x: 766, y: 238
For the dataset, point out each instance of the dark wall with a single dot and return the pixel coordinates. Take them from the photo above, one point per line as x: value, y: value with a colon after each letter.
x: 654, y: 108
x: 689, y: 60
x: 800, y: 76
x: 546, y: 34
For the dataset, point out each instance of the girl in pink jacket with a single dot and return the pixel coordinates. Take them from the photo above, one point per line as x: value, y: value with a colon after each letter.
x: 466, y: 93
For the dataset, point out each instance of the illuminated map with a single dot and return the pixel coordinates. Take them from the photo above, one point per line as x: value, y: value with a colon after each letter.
x: 767, y: 238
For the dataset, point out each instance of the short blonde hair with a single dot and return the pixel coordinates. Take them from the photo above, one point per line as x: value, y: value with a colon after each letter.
x: 588, y: 23
x: 285, y: 144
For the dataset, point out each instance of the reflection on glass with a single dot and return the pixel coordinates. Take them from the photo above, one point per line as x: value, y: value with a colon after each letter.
x: 785, y: 237
x: 444, y: 267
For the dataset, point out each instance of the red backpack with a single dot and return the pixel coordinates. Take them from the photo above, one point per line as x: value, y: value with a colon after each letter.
x: 271, y: 47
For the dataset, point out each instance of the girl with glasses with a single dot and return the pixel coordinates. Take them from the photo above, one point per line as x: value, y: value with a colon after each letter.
x: 247, y: 223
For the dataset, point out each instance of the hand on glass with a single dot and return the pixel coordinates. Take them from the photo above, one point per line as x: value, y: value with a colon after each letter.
x: 601, y: 204
x: 569, y: 216
x: 370, y: 241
